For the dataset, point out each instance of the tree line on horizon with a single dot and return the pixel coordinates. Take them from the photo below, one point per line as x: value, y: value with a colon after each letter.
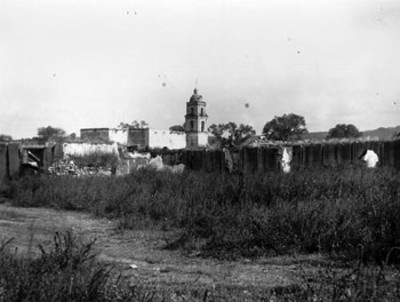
x: 288, y: 127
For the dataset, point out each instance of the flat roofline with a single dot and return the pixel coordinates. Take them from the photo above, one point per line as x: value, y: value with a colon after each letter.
x: 91, y: 129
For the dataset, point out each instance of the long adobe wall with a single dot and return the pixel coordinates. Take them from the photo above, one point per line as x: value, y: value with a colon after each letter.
x: 345, y: 154
x: 311, y: 156
x: 248, y: 160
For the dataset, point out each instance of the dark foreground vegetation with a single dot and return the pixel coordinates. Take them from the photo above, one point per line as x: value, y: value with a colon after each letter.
x: 351, y: 216
x: 65, y: 271
x: 348, y: 213
x: 68, y: 270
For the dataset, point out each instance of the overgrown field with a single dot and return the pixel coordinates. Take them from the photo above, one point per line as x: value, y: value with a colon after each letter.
x: 68, y: 270
x: 347, y: 214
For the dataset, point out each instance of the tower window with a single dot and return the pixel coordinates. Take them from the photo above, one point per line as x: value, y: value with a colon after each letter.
x: 202, y: 111
x: 191, y: 125
x: 191, y: 111
x: 202, y: 126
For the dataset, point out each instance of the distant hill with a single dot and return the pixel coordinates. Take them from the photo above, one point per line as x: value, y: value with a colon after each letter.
x: 382, y: 133
x: 379, y: 134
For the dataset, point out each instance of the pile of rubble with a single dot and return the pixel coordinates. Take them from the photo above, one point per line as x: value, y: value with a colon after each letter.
x: 157, y: 163
x: 128, y: 163
x: 68, y: 167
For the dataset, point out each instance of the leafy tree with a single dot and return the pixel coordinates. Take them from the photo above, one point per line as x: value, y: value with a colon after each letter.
x: 230, y: 135
x: 177, y: 128
x: 5, y: 138
x: 343, y: 131
x: 134, y: 124
x: 72, y: 137
x: 287, y: 127
x: 50, y: 133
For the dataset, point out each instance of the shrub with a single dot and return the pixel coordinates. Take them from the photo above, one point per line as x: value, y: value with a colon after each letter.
x: 66, y: 271
x: 342, y: 212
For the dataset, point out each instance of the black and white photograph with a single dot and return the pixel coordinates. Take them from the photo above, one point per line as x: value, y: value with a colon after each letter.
x: 199, y: 150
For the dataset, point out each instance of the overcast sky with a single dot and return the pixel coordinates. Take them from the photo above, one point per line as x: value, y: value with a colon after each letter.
x: 82, y: 64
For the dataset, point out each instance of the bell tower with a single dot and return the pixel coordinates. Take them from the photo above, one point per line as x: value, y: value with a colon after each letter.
x: 196, y: 122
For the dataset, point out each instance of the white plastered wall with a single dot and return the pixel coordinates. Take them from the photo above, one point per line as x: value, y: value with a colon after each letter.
x: 119, y: 136
x: 166, y: 138
x: 76, y: 149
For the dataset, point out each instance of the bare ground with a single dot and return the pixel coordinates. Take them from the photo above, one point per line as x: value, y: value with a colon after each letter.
x: 144, y: 249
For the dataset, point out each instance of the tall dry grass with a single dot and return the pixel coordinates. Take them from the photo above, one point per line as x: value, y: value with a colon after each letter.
x: 67, y: 270
x: 346, y: 213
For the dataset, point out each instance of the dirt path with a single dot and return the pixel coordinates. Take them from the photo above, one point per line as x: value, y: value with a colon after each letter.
x: 144, y: 249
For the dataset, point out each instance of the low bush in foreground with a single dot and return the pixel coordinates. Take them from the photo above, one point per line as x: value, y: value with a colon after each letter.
x: 69, y: 271
x: 66, y: 271
x: 348, y: 213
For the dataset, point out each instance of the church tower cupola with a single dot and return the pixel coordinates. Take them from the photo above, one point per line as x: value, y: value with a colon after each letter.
x: 196, y: 122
